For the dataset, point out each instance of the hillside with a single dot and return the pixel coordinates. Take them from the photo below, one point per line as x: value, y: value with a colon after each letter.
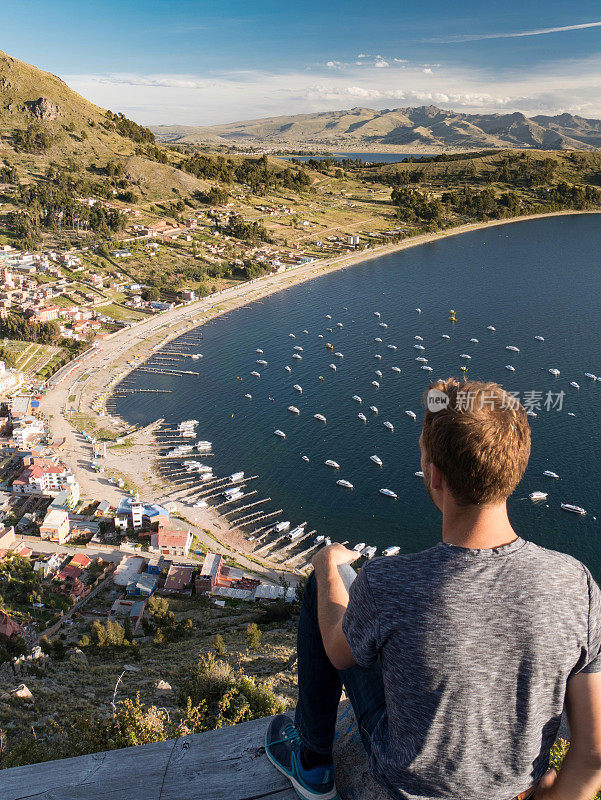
x: 421, y: 129
x: 43, y: 121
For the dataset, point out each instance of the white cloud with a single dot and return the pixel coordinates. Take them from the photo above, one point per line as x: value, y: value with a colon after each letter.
x: 537, y: 32
x: 362, y: 55
x: 380, y: 63
x: 401, y: 60
x: 573, y: 86
x: 333, y: 64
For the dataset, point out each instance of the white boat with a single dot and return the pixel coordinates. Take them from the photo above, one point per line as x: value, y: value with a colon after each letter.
x: 554, y: 371
x: 279, y: 433
x: 357, y: 398
x: 475, y: 341
x: 261, y: 361
x: 377, y: 355
x: 422, y: 359
x: 203, y: 446
x: 207, y: 476
x: 346, y: 484
x: 320, y: 417
x: 382, y: 325
x: 573, y: 509
x: 590, y: 375
x: 296, y: 355
x: 391, y: 346
x: 295, y: 533
x: 376, y: 384
x: 419, y: 473
x: 305, y: 458
x: 305, y: 331
x: 292, y: 336
x: 298, y: 388
x: 359, y: 547
x: 464, y: 355
x: 427, y: 368
x: 491, y: 328
x: 419, y: 338
x: 332, y: 366
x: 258, y: 350
x: 320, y: 335
x: 248, y: 396
x: 396, y: 369
x: 255, y: 373
x: 298, y: 348
x: 374, y: 409
x: 575, y: 385
x: 535, y: 496
x: 328, y: 316
x: 294, y: 409
x: 318, y: 539
x: 550, y: 474
x: 362, y: 417
x: 377, y: 314
x: 391, y: 551
x: 411, y: 414
x: 379, y: 373
x: 327, y: 541
x: 388, y: 425
x: 512, y: 348
x: 445, y: 336
x: 378, y: 340
x: 287, y: 368
x: 233, y: 494
x: 419, y: 311
x: 340, y: 325
x: 377, y: 460
x: 419, y: 347
x: 236, y: 477
x: 280, y: 527
x: 333, y: 464
x: 369, y: 552
x: 539, y: 338
x: 388, y: 493
x: 571, y: 414
x: 509, y: 367
x: 338, y: 355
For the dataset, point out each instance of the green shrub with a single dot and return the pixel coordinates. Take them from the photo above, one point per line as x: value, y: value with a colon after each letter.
x: 253, y: 636
x: 219, y: 645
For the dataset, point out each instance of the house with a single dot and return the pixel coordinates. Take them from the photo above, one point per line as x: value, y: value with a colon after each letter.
x: 22, y: 550
x: 104, y: 509
x: 157, y: 565
x: 121, y: 254
x: 10, y: 379
x: 128, y: 609
x: 179, y: 579
x: 210, y: 573
x: 143, y: 584
x: 55, y: 526
x: 127, y: 570
x: 25, y: 429
x: 49, y: 565
x: 7, y: 538
x: 80, y: 560
x: 171, y: 543
x: 46, y: 314
x: 65, y: 499
x: 45, y: 476
x: 137, y: 513
x: 10, y: 630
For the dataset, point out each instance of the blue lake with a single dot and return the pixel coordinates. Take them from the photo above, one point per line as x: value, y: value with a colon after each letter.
x: 540, y: 277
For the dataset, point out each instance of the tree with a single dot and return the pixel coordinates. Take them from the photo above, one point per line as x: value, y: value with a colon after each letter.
x: 158, y: 607
x: 253, y: 636
x: 219, y: 646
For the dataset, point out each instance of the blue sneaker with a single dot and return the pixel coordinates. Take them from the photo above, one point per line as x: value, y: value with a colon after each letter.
x: 283, y: 747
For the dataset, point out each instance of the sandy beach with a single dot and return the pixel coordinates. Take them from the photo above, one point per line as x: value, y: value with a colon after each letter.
x: 74, y: 388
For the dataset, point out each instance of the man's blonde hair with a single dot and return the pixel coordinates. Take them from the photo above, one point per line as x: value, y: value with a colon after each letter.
x: 480, y: 441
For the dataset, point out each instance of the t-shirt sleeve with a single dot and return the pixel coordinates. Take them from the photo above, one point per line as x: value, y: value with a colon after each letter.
x: 360, y: 622
x: 594, y: 626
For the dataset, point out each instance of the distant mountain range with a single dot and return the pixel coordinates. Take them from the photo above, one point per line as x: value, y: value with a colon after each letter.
x: 422, y: 128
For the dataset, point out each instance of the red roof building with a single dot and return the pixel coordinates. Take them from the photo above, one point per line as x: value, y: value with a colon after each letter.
x: 178, y: 579
x: 9, y: 629
x: 80, y: 560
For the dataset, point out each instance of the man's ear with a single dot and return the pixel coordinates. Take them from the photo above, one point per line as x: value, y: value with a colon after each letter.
x: 436, y: 477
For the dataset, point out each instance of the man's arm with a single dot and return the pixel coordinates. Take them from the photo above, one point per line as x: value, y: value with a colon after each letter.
x: 332, y: 601
x: 580, y: 774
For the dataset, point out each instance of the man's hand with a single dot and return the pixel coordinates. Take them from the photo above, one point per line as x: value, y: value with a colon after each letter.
x: 333, y: 555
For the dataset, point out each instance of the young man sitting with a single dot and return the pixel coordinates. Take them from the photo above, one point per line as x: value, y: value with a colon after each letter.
x: 458, y: 659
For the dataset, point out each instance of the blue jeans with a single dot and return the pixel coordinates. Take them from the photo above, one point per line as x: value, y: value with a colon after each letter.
x: 320, y: 683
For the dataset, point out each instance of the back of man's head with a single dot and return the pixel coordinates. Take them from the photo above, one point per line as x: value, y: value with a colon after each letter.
x: 479, y: 439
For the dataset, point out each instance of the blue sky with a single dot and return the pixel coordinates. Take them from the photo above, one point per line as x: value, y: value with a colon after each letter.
x: 202, y: 62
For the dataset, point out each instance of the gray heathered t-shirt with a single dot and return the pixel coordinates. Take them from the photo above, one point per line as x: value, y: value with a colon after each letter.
x: 476, y: 649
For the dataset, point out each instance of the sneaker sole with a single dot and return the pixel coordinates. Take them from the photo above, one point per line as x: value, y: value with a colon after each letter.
x: 302, y: 791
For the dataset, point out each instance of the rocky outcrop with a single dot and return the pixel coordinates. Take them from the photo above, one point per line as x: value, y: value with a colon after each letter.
x: 78, y: 659
x: 42, y: 109
x: 20, y: 694
x: 20, y: 666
